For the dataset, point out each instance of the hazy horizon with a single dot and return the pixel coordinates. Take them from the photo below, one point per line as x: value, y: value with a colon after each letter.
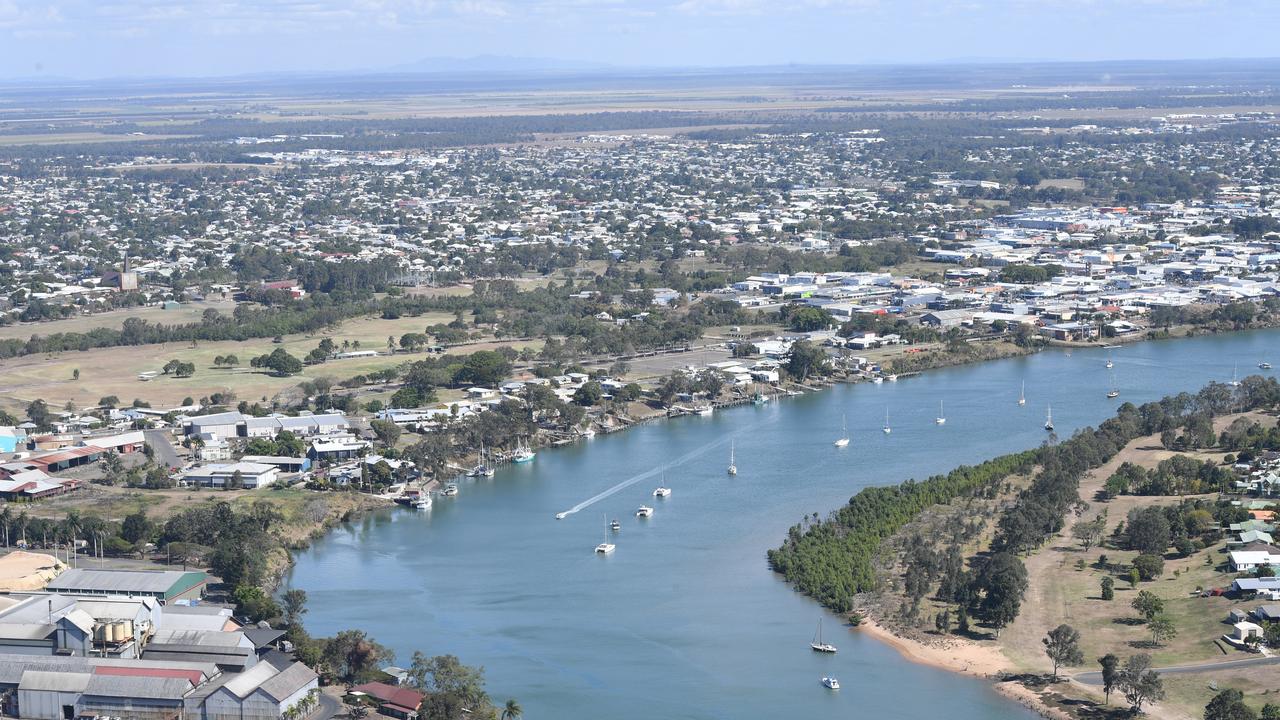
x: 147, y: 38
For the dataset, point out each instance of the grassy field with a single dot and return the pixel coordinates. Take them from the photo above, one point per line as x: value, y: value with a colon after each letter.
x: 187, y: 313
x: 114, y: 371
x: 76, y: 138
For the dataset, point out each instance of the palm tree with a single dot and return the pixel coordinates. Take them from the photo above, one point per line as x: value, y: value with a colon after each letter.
x: 512, y: 710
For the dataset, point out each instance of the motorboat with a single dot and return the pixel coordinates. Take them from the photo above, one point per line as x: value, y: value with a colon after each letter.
x: 831, y: 683
x: 1113, y: 394
x: 644, y: 511
x: 615, y: 525
x: 481, y: 471
x: 1264, y: 365
x: 818, y: 645
x: 450, y: 490
x: 561, y: 515
x: 422, y: 502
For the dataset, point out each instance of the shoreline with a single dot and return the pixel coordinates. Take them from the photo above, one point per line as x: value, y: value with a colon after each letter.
x: 964, y: 657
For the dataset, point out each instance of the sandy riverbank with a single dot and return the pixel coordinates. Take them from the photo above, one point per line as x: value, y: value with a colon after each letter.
x: 966, y: 657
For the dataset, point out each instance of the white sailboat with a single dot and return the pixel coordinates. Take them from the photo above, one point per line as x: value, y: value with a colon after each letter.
x: 605, y: 547
x: 1114, y: 392
x: 1048, y: 423
x: 843, y: 440
x: 733, y: 467
x: 1022, y: 394
x: 1235, y: 382
x: 942, y: 417
x: 662, y: 490
x: 886, y: 429
x: 818, y: 645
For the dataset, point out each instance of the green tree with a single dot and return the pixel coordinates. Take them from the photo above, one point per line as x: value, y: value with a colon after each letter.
x: 806, y: 359
x: 1062, y: 645
x: 1001, y: 580
x: 589, y: 394
x: 512, y: 710
x: 1110, y: 674
x: 254, y: 604
x: 1139, y: 683
x: 136, y: 527
x: 484, y: 367
x: 1108, y: 588
x: 1162, y: 628
x: 808, y: 319
x: 294, y: 605
x: 1147, y: 604
x: 388, y: 433
x: 1149, y: 567
x: 1229, y: 705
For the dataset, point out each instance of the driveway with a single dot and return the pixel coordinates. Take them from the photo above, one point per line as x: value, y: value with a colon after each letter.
x: 158, y: 440
x: 1095, y: 678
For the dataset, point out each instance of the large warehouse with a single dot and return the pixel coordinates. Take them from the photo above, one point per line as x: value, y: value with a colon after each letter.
x: 163, y: 585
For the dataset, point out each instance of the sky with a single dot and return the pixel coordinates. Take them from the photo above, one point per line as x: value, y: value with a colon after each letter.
x: 149, y: 38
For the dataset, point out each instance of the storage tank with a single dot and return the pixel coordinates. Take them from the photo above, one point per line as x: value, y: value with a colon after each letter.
x: 99, y: 632
x: 126, y: 629
x: 112, y: 635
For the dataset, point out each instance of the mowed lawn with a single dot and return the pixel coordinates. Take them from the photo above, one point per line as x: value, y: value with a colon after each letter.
x: 114, y: 371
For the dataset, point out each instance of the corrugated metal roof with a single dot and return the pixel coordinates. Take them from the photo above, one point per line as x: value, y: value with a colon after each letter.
x: 246, y: 682
x: 152, y: 688
x: 117, y: 581
x: 192, y: 676
x: 288, y: 681
x: 54, y: 681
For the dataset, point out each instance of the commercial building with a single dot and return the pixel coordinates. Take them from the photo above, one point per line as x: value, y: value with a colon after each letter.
x: 251, y: 476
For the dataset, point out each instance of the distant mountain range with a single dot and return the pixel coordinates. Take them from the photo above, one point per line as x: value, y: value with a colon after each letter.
x: 496, y: 64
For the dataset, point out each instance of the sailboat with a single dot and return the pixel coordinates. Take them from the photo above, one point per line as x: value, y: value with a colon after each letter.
x: 605, y: 547
x: 662, y: 490
x: 1022, y: 395
x: 942, y: 417
x: 886, y: 429
x: 1048, y: 423
x: 1113, y: 392
x: 843, y: 440
x: 818, y: 645
x: 524, y: 453
x: 1234, y: 381
x: 481, y: 469
x: 733, y: 468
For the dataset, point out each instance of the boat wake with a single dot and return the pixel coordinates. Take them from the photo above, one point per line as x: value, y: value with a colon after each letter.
x: 646, y: 475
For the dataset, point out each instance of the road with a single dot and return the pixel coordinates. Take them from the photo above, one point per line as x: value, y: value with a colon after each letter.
x: 1095, y: 678
x: 164, y: 450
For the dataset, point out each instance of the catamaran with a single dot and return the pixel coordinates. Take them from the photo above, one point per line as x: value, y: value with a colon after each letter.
x: 605, y: 547
x: 818, y: 645
x: 886, y: 429
x: 733, y: 467
x: 1022, y: 394
x: 843, y: 440
x: 644, y: 511
x: 1264, y: 365
x: 942, y: 417
x: 1048, y: 423
x: 662, y: 490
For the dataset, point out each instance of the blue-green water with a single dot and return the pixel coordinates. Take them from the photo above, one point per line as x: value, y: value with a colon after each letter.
x: 685, y: 619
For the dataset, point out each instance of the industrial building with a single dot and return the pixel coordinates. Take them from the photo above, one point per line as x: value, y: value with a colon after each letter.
x: 251, y: 476
x: 163, y: 585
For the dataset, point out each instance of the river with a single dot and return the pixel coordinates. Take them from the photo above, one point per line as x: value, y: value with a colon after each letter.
x: 685, y: 619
